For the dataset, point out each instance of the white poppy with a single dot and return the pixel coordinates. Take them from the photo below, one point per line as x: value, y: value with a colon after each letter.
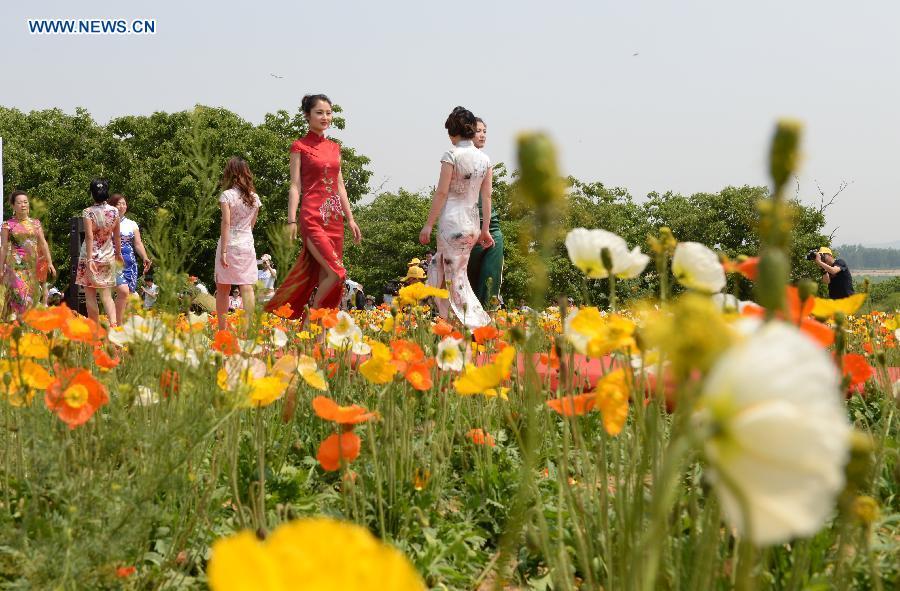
x: 137, y: 329
x: 779, y: 434
x: 585, y: 247
x: 146, y: 396
x: 697, y: 267
x: 344, y: 333
x: 279, y: 338
x: 449, y: 357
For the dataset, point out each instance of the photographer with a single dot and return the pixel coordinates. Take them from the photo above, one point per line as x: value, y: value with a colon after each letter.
x: 837, y: 274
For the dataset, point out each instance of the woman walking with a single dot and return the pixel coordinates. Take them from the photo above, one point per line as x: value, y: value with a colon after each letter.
x: 465, y: 172
x: 100, y: 252
x: 24, y: 257
x: 126, y: 280
x: 316, y: 174
x: 236, y: 253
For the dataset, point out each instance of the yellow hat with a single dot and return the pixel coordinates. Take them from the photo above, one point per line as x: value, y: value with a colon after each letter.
x: 414, y: 272
x: 825, y: 250
x: 413, y: 262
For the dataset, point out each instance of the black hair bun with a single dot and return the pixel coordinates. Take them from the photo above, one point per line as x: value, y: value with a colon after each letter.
x: 100, y: 190
x: 310, y: 100
x: 461, y: 122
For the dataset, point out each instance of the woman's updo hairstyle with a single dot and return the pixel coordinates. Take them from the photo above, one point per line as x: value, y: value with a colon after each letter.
x: 311, y: 100
x: 461, y: 122
x: 100, y: 190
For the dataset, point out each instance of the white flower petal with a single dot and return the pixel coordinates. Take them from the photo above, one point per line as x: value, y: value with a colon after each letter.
x: 697, y: 267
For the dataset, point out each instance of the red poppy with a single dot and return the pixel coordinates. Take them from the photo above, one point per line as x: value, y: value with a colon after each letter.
x: 406, y: 353
x: 337, y: 447
x: 169, y: 383
x: 857, y: 369
x: 226, y: 343
x: 75, y: 395
x: 479, y: 437
x: 485, y: 333
x: 568, y: 406
x: 867, y: 347
x: 125, y: 571
x: 103, y: 360
x: 442, y: 328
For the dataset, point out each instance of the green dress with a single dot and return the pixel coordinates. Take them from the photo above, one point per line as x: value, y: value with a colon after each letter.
x: 486, y: 265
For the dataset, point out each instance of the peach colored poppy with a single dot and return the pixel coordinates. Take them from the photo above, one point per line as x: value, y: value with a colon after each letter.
x: 442, y: 328
x: 568, y: 406
x: 337, y: 447
x: 328, y: 409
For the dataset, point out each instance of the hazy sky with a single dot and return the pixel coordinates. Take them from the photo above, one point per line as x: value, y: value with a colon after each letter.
x: 692, y: 111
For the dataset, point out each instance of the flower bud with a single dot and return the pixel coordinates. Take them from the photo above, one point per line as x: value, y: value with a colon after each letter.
x: 539, y: 179
x: 773, y: 274
x: 865, y: 509
x: 784, y: 154
x: 606, y: 259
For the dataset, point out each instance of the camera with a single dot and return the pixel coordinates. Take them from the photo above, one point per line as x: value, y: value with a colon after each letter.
x: 811, y: 255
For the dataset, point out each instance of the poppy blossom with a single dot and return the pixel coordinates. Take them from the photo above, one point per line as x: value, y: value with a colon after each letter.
x: 327, y: 316
x: 406, y: 353
x: 568, y: 406
x: 225, y: 342
x: 125, y: 571
x: 169, y: 383
x: 484, y: 334
x: 479, y: 437
x: 103, y: 360
x: 419, y: 375
x: 82, y: 329
x: 328, y: 409
x: 47, y: 319
x: 857, y: 369
x: 337, y: 447
x: 283, y: 311
x: 798, y: 315
x: 75, y: 396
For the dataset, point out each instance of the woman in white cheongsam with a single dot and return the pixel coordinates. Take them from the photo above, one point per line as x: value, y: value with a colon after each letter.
x: 465, y: 171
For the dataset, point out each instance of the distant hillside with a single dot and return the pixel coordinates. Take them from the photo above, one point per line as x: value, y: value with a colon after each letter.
x: 862, y: 257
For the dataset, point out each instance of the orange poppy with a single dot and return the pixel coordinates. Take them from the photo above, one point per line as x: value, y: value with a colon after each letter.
x: 419, y: 375
x: 82, y: 329
x: 103, y: 360
x: 442, y: 328
x: 337, y: 447
x: 485, y: 333
x: 328, y: 409
x: 75, y: 395
x: 748, y: 267
x: 406, y: 353
x: 857, y: 369
x: 332, y: 369
x: 47, y: 319
x: 328, y: 316
x: 169, y: 383
x: 867, y: 347
x: 578, y: 405
x: 551, y: 360
x: 125, y: 571
x: 283, y: 311
x: 226, y: 343
x: 479, y: 437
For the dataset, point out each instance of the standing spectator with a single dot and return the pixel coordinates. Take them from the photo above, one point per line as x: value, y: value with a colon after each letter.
x: 234, y: 301
x: 150, y: 291
x: 126, y: 280
x: 267, y: 275
x: 837, y: 274
x: 23, y: 244
x: 236, y: 253
x: 100, y: 252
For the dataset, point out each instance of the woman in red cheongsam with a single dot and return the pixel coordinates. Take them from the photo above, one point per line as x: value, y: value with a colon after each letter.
x: 316, y: 173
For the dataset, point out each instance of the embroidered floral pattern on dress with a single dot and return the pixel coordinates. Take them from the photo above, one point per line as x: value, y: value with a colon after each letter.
x: 331, y: 206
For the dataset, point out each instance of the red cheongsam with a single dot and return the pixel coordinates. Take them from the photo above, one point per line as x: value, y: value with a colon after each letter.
x: 321, y: 222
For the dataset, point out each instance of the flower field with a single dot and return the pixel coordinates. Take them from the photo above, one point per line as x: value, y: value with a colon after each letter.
x: 689, y: 442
